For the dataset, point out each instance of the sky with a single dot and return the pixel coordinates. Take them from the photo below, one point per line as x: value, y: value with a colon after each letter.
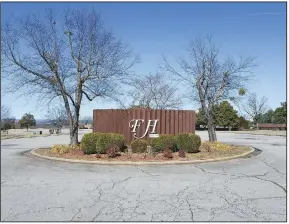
x: 152, y: 29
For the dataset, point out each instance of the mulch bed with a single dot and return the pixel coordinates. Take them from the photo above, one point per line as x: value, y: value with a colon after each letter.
x: 134, y: 157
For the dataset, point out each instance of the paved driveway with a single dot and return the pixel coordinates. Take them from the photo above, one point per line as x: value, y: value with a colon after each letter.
x: 252, y: 189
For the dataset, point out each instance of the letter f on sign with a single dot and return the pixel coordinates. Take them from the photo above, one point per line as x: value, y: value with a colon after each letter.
x: 136, y: 124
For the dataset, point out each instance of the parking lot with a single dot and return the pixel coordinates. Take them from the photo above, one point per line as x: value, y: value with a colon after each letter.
x: 247, y: 189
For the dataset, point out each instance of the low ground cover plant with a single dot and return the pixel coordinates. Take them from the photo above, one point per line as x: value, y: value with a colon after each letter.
x: 167, y: 153
x: 63, y: 149
x: 112, y: 151
x: 182, y: 153
x: 209, y: 146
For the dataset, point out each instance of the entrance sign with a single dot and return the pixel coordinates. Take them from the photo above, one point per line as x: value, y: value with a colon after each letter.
x: 143, y: 123
x: 136, y: 123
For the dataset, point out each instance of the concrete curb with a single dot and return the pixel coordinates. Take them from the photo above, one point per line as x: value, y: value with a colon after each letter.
x: 140, y: 163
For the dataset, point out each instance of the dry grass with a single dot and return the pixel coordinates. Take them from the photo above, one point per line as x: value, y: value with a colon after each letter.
x: 23, y: 133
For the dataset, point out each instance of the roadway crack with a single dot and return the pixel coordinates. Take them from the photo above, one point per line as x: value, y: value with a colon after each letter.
x: 273, y: 182
x: 274, y: 168
x: 192, y: 214
x: 114, y: 183
x: 33, y: 212
x: 79, y: 210
x: 146, y: 172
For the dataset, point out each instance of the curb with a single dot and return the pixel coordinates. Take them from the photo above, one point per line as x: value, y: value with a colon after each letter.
x: 264, y: 134
x: 32, y: 152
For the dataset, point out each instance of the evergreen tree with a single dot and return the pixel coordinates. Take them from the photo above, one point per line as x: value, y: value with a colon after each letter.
x: 27, y: 121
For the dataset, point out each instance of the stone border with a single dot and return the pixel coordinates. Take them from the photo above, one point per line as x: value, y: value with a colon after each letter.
x: 34, y: 153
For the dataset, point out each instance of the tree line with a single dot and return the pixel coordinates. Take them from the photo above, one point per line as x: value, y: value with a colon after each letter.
x: 77, y: 60
x: 225, y: 116
x: 54, y: 118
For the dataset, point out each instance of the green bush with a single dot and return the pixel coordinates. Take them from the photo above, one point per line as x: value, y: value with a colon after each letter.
x: 139, y: 146
x: 88, y: 142
x: 190, y: 143
x: 163, y: 142
x: 92, y: 143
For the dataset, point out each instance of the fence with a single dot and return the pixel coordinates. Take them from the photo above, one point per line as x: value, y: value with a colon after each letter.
x: 118, y: 121
x: 272, y: 126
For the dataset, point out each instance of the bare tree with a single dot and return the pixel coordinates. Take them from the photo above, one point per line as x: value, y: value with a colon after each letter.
x: 5, y: 112
x: 72, y: 60
x: 209, y: 79
x: 7, y: 121
x: 255, y: 107
x: 153, y: 91
x: 57, y: 116
x: 87, y: 120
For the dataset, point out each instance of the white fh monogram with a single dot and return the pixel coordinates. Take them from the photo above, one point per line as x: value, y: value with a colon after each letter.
x: 136, y: 123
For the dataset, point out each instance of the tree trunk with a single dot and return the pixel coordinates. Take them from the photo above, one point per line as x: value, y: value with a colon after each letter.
x: 73, y: 136
x: 210, y: 125
x: 211, y: 131
x: 27, y: 128
x: 74, y: 128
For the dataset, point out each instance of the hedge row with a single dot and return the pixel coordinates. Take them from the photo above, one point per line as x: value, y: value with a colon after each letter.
x: 187, y: 142
x: 98, y: 143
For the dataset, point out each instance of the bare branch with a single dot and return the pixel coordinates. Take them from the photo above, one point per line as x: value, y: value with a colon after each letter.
x: 64, y: 60
x: 154, y: 91
x: 5, y: 112
x: 255, y: 107
x: 209, y: 78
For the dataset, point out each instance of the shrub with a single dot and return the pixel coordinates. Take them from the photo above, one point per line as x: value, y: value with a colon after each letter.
x: 163, y: 142
x: 182, y: 153
x: 190, y: 143
x: 88, y: 142
x: 99, y: 142
x: 63, y: 149
x: 112, y: 151
x: 139, y: 146
x: 167, y: 153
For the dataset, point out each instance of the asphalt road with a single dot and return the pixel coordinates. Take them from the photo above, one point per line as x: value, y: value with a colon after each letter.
x: 251, y: 189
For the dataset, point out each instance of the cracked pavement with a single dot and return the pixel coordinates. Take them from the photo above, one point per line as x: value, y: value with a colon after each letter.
x: 247, y: 189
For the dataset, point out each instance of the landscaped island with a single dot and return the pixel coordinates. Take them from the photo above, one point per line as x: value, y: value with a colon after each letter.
x: 112, y: 147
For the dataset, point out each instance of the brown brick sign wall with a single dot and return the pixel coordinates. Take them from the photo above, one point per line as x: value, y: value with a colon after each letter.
x: 142, y: 120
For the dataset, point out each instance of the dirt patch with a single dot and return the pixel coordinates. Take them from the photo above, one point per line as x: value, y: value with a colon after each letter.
x: 144, y: 157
